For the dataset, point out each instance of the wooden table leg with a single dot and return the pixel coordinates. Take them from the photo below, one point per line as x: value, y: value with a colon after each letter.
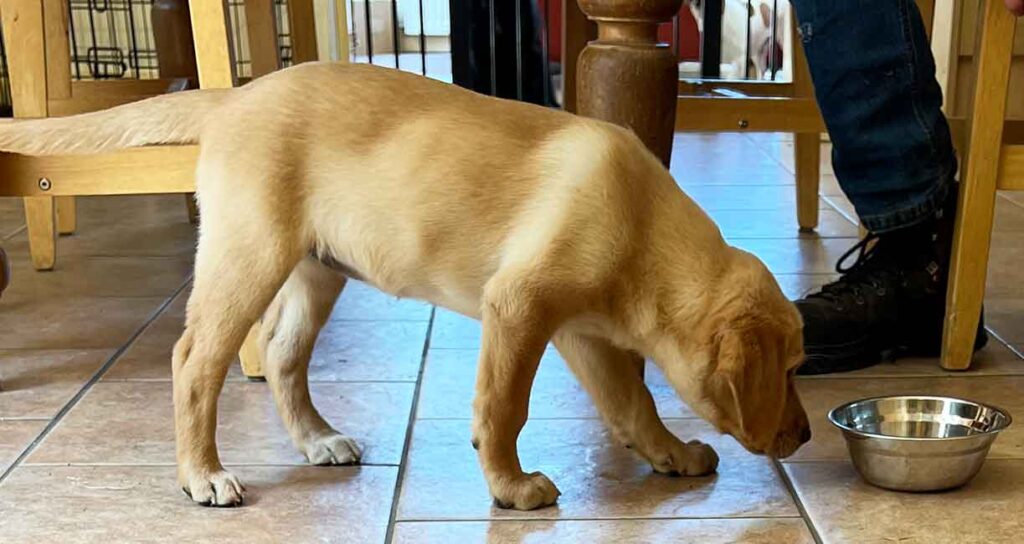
x: 807, y: 146
x: 973, y: 233
x: 24, y: 41
x: 626, y: 76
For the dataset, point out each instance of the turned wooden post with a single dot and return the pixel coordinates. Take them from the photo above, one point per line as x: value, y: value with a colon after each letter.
x: 626, y: 76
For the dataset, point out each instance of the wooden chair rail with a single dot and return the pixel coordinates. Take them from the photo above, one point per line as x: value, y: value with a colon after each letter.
x: 144, y: 170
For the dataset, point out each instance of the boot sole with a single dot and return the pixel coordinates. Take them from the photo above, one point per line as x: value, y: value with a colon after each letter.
x: 863, y: 353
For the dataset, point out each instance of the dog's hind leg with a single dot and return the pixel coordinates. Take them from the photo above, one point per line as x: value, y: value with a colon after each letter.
x: 289, y: 331
x: 241, y: 262
x: 612, y: 377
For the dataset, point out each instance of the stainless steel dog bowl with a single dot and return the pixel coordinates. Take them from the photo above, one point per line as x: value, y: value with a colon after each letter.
x: 918, y: 443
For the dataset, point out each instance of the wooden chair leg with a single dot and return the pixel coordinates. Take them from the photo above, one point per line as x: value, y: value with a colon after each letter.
x: 808, y: 176
x: 973, y: 232
x: 67, y: 215
x: 41, y: 222
x: 250, y: 355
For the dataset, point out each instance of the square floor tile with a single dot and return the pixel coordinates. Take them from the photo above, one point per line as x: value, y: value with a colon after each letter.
x: 745, y: 197
x: 359, y: 301
x: 1005, y: 316
x: 369, y: 351
x: 449, y: 377
x: 72, y: 323
x: 842, y: 205
x: 821, y: 395
x: 12, y: 216
x: 797, y: 255
x: 620, y: 531
x: 454, y: 331
x: 1017, y: 197
x: 132, y: 423
x: 37, y: 384
x: 1005, y: 273
x: 1009, y: 216
x: 779, y: 224
x: 149, y: 356
x: 143, y: 504
x: 130, y: 225
x: 598, y: 479
x: 97, y: 276
x: 845, y: 509
x: 15, y: 436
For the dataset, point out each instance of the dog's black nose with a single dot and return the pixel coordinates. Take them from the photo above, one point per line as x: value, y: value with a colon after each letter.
x: 805, y: 435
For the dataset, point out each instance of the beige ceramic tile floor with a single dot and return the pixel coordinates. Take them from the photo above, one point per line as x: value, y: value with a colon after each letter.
x: 86, y: 452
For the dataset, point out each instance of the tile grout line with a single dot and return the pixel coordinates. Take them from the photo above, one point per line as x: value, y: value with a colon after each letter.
x: 544, y: 519
x: 786, y: 481
x: 93, y: 380
x: 407, y: 446
x: 14, y: 233
x: 1013, y: 349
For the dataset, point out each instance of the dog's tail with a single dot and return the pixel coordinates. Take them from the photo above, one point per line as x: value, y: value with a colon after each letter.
x: 175, y: 118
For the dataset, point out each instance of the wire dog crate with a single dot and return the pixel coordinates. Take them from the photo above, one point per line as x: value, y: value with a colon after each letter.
x: 113, y: 39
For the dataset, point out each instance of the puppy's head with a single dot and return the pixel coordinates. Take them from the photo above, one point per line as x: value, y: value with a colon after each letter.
x: 737, y: 368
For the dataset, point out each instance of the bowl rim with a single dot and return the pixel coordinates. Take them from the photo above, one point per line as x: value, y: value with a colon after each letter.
x: 846, y: 428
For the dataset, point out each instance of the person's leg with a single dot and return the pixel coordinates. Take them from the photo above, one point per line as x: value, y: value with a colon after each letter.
x: 874, y: 79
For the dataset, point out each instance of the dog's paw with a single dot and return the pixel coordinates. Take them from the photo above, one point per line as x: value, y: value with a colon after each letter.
x: 693, y: 458
x: 527, y: 492
x: 332, y: 449
x: 219, y: 488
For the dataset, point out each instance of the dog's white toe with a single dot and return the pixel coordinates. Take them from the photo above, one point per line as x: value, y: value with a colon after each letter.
x: 333, y: 449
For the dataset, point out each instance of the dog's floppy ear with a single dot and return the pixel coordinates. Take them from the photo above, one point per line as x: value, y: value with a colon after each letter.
x: 749, y: 381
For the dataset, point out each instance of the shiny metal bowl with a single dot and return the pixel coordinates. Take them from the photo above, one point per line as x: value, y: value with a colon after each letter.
x: 918, y: 443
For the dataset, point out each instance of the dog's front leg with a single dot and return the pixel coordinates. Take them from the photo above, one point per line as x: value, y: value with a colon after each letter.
x: 514, y: 338
x: 612, y: 377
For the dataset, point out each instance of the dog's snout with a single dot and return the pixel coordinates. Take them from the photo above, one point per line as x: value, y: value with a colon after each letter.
x: 805, y: 435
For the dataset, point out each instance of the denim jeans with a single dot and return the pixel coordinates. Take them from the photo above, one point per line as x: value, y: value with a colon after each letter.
x: 874, y: 78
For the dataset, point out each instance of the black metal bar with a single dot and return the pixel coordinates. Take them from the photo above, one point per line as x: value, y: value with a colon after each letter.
x: 95, y: 67
x: 746, y: 49
x: 519, y: 50
x: 355, y: 27
x: 461, y: 43
x: 545, y: 68
x: 423, y: 41
x: 711, y: 41
x: 369, y: 32
x: 394, y: 31
x: 773, y: 62
x: 493, y: 44
x: 134, y: 45
x: 74, y: 45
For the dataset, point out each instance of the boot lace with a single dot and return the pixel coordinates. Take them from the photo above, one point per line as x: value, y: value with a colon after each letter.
x: 872, y: 273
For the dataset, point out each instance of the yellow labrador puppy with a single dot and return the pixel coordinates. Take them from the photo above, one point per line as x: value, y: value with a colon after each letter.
x: 546, y: 226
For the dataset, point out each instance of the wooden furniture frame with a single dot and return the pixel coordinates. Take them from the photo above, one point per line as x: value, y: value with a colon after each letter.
x: 35, y: 33
x: 993, y: 153
x: 655, y: 103
x: 39, y: 60
x: 627, y: 55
